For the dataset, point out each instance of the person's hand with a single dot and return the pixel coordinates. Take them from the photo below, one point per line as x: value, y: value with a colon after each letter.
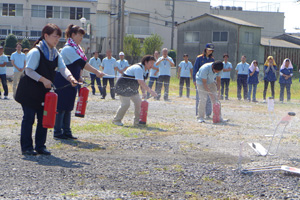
x: 154, y: 94
x: 144, y: 96
x: 157, y: 72
x: 20, y: 69
x: 212, y: 98
x: 73, y: 81
x: 178, y: 76
x: 195, y: 83
x: 100, y: 74
x: 286, y: 77
x: 47, y: 83
x: 80, y: 79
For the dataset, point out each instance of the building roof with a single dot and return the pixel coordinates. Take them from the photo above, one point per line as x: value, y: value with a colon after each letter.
x: 225, y: 18
x: 278, y: 43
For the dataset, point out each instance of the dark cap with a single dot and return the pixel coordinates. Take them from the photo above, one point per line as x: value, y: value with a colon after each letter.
x: 210, y: 46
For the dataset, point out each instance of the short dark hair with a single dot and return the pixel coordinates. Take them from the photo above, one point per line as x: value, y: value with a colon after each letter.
x: 147, y: 58
x: 225, y: 54
x: 218, y: 65
x: 19, y: 44
x: 185, y: 55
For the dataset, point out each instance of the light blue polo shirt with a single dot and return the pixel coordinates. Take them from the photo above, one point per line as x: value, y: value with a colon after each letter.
x: 19, y: 59
x: 137, y: 71
x: 242, y: 68
x: 152, y: 72
x: 33, y: 59
x: 109, y: 67
x: 206, y: 72
x: 227, y: 65
x: 121, y: 65
x: 185, y: 69
x: 3, y: 59
x: 95, y: 63
x: 164, y: 66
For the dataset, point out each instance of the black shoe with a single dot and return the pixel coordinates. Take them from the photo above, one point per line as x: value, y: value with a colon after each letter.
x: 70, y: 136
x: 113, y: 98
x: 61, y: 137
x: 43, y: 151
x: 102, y: 97
x: 29, y: 153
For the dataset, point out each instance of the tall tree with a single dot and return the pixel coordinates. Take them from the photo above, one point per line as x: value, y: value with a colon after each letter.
x: 132, y: 47
x: 10, y: 44
x: 152, y: 43
x: 25, y: 43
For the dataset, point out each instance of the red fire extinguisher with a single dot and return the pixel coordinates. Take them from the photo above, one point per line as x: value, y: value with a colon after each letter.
x: 216, y: 112
x: 50, y: 105
x: 82, y: 102
x: 144, y: 112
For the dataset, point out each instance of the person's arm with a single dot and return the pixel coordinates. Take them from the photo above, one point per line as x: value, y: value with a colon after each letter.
x: 191, y: 71
x: 195, y: 70
x: 227, y: 70
x: 179, y: 70
x: 159, y: 61
x: 273, y: 69
x: 90, y: 68
x: 3, y: 65
x: 13, y: 63
x: 237, y: 69
x: 251, y: 73
x: 145, y: 88
x: 212, y: 97
x: 24, y: 65
x: 156, y: 68
x: 267, y: 69
x: 171, y: 62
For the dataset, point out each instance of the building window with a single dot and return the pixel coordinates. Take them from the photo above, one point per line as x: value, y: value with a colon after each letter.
x: 11, y: 9
x: 79, y: 13
x: 17, y: 33
x: 49, y: 12
x: 65, y: 12
x: 249, y: 37
x: 38, y: 11
x: 4, y: 32
x: 86, y: 13
x: 56, y: 12
x: 35, y: 33
x: 220, y: 36
x: 191, y: 37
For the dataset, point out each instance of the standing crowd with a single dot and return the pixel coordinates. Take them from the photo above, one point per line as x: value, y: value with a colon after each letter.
x: 44, y: 66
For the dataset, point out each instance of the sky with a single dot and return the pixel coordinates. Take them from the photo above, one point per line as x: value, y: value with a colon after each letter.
x: 290, y: 8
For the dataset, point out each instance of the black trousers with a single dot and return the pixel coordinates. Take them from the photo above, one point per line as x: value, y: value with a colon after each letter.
x: 242, y: 81
x: 166, y: 80
x: 187, y: 85
x: 112, y: 87
x: 266, y: 88
x: 225, y: 82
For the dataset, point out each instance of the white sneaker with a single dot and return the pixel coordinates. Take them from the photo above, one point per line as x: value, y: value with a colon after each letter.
x: 5, y: 97
x: 264, y: 101
x: 118, y: 123
x: 224, y: 120
x: 201, y: 120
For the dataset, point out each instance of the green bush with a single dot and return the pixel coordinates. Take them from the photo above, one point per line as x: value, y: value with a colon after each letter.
x: 25, y: 43
x: 172, y: 54
x: 152, y: 43
x: 10, y: 44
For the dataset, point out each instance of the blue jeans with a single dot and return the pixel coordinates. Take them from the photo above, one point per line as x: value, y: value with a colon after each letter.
x: 288, y: 91
x: 93, y: 78
x: 254, y: 92
x: 242, y: 82
x: 62, y: 123
x: 150, y: 84
x: 4, y: 84
x: 225, y: 82
x: 26, y: 129
x: 208, y: 108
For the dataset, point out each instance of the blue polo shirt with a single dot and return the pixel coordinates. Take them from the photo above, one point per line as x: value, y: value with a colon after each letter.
x: 201, y: 60
x: 19, y: 59
x: 3, y: 59
x: 164, y: 66
x: 95, y: 63
x: 121, y: 65
x: 109, y: 67
x: 226, y: 75
x: 137, y: 71
x: 185, y: 69
x: 242, y: 68
x: 206, y: 72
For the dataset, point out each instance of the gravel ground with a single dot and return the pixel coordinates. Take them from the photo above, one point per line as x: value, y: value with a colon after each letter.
x: 174, y: 157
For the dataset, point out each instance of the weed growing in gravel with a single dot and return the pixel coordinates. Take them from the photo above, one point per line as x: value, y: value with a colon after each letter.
x: 143, y: 173
x: 142, y: 193
x: 192, y: 195
x: 177, y: 168
x: 71, y: 194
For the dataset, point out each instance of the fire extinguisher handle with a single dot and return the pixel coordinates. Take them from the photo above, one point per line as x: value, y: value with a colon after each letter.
x: 53, y: 86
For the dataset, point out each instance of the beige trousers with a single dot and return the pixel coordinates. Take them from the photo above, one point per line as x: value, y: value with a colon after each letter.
x: 125, y: 103
x: 203, y: 98
x: 16, y: 80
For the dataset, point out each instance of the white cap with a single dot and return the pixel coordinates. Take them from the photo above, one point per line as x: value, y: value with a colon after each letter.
x: 121, y: 54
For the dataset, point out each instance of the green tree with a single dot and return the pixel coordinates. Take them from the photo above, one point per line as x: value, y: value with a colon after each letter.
x: 152, y: 43
x: 25, y: 43
x: 172, y: 54
x: 132, y: 47
x: 10, y: 44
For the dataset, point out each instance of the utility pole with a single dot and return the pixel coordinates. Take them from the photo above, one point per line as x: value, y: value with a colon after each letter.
x: 172, y: 33
x: 119, y: 26
x: 123, y: 25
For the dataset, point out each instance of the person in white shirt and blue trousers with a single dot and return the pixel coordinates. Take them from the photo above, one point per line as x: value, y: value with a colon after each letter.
x: 3, y: 62
x: 225, y: 78
x: 95, y: 61
x: 242, y: 69
x: 185, y: 72
x: 109, y: 65
x: 154, y: 73
x: 18, y: 60
x: 164, y: 64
